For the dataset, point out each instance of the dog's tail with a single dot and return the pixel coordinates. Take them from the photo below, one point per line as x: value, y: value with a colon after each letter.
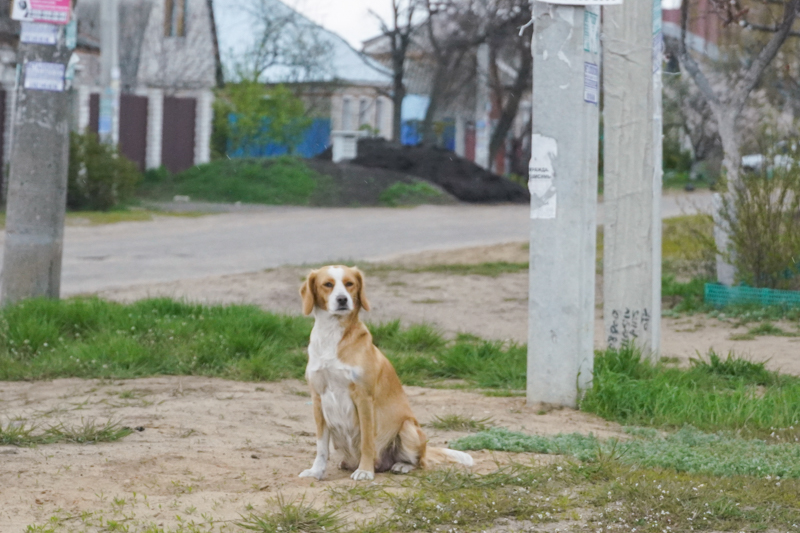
x: 444, y: 455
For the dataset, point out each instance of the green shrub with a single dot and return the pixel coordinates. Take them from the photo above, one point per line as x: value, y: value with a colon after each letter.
x: 410, y: 194
x: 99, y: 177
x: 275, y: 181
x: 763, y: 216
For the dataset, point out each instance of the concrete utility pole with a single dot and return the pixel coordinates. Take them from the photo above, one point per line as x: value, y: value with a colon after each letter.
x: 633, y: 171
x: 37, y: 188
x: 483, y: 104
x: 563, y: 185
x: 108, y: 128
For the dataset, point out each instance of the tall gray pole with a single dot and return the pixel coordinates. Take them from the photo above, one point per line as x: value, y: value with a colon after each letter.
x: 108, y: 127
x: 37, y: 188
x: 632, y: 177
x: 563, y: 185
x: 483, y: 104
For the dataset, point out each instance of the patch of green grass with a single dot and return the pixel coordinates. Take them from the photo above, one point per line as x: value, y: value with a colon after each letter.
x: 454, y: 422
x: 575, y: 496
x: 89, y: 432
x: 416, y: 193
x: 687, y: 450
x: 291, y: 517
x: 481, y: 269
x: 768, y: 328
x: 715, y: 395
x: 416, y: 338
x: 744, y: 314
x: 92, y: 338
x: 276, y: 181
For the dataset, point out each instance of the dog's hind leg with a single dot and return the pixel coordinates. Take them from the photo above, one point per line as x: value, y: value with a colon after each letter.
x: 411, y: 448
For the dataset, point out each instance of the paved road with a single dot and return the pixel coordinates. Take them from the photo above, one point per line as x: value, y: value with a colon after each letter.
x: 173, y: 248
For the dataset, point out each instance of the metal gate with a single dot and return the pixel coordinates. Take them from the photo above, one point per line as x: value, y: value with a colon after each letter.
x: 133, y: 128
x: 177, y: 141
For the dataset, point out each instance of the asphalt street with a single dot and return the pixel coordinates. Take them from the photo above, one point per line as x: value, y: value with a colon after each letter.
x: 253, y: 239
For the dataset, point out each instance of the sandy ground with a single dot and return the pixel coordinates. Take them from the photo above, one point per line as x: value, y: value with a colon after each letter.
x: 218, y: 449
x: 209, y: 447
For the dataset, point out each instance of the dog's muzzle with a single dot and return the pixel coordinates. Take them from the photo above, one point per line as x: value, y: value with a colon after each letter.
x: 341, y: 303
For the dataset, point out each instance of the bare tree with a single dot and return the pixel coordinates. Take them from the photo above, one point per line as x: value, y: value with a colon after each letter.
x: 454, y: 28
x: 727, y: 103
x: 506, y: 41
x: 286, y: 44
x: 399, y: 31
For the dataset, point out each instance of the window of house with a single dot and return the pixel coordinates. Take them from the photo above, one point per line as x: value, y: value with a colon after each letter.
x: 175, y: 18
x: 347, y: 114
x: 363, y: 112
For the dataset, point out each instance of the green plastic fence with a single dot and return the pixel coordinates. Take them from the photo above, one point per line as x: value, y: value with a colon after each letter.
x: 721, y: 296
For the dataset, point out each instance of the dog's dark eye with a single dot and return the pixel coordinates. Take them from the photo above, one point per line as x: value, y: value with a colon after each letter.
x: 348, y: 284
x: 329, y: 284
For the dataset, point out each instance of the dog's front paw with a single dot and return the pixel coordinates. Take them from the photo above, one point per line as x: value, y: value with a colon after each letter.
x: 318, y: 474
x: 402, y: 468
x: 363, y: 475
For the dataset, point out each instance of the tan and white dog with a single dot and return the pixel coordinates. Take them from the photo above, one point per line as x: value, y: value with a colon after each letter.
x: 359, y: 403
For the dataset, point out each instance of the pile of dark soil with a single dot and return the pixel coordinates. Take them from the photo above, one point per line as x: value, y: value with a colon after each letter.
x: 458, y: 176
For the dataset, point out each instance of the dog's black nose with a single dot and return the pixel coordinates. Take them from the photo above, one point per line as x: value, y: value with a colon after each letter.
x: 341, y: 300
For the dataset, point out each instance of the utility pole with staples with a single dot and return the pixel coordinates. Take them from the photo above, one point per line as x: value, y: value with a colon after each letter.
x: 37, y: 186
x: 563, y: 184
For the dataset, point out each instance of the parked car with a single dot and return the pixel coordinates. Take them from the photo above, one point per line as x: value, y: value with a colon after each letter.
x: 784, y: 157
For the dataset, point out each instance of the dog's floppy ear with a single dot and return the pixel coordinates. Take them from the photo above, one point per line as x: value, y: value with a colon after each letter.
x: 308, y: 292
x: 362, y: 296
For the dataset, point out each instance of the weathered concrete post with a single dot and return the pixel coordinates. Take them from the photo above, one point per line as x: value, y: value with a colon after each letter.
x: 563, y: 185
x: 37, y: 188
x: 632, y: 174
x: 483, y: 103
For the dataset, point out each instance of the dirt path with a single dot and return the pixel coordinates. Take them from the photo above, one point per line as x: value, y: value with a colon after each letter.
x: 208, y: 447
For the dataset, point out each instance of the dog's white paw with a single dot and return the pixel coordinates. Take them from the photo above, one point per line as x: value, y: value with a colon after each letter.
x: 318, y: 474
x: 363, y: 475
x: 402, y: 468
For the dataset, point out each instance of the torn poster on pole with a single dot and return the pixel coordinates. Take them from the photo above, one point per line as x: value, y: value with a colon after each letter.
x: 52, y: 11
x: 43, y: 76
x: 583, y: 2
x: 540, y: 177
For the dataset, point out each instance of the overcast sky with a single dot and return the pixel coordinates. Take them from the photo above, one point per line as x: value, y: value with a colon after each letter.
x: 351, y: 19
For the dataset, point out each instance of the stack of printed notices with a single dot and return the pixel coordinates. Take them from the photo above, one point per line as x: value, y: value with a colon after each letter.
x: 42, y: 22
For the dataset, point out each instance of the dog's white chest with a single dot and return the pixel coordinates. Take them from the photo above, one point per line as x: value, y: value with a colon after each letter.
x: 331, y: 379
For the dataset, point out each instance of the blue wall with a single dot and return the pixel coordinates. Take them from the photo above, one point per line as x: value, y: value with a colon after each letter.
x: 316, y: 140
